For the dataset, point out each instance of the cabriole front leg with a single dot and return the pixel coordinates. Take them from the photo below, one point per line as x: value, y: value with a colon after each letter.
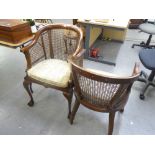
x: 69, y: 96
x: 27, y: 86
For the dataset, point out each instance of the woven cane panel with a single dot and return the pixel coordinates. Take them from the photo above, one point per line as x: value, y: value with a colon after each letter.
x: 70, y: 39
x: 97, y: 92
x: 58, y: 44
x: 46, y: 42
x: 36, y: 52
x: 53, y: 43
x: 62, y: 47
x: 41, y: 50
x: 70, y: 45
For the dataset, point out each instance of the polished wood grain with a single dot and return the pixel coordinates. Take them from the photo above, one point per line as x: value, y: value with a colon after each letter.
x: 19, y: 44
x: 14, y: 32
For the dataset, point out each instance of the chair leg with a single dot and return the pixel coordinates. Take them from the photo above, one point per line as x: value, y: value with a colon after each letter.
x: 111, y: 122
x: 149, y: 40
x: 26, y: 85
x: 75, y: 109
x: 69, y: 96
x: 122, y: 110
x: 143, y: 44
x: 142, y: 96
x: 31, y: 88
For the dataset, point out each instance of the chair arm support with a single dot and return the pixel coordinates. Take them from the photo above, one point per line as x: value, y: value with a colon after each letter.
x: 32, y: 43
x: 28, y: 46
x: 136, y: 69
x: 26, y: 51
x: 81, y: 53
x: 78, y: 59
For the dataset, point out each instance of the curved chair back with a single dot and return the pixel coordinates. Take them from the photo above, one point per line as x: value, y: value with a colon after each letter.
x: 53, y: 41
x: 102, y: 93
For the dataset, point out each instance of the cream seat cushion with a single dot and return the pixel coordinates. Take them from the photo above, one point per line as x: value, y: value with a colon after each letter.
x: 52, y: 71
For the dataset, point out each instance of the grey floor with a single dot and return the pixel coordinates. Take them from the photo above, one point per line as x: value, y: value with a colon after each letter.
x: 49, y: 115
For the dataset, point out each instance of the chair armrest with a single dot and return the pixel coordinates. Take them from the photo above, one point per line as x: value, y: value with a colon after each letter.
x: 78, y: 59
x: 29, y: 45
x: 136, y: 69
x: 27, y: 50
x: 81, y: 53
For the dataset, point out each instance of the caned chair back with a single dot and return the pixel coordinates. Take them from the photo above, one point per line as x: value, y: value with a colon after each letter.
x: 102, y: 92
x: 51, y: 42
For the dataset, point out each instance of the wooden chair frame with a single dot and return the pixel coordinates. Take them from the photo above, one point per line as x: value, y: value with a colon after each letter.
x: 116, y: 103
x: 68, y: 91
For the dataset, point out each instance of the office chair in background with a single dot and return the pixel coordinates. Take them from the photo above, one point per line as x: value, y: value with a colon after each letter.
x: 149, y: 28
x: 147, y: 57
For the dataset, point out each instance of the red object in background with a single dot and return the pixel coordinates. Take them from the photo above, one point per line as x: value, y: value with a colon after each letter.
x: 94, y: 52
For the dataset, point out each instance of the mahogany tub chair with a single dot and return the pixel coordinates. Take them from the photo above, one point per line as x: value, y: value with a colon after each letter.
x: 101, y: 91
x: 47, y: 63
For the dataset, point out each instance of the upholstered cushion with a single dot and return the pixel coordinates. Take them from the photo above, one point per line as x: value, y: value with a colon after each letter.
x: 52, y: 71
x: 147, y: 57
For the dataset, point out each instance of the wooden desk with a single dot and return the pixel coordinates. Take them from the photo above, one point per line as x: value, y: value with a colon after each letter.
x: 19, y: 44
x: 25, y: 39
x: 14, y: 32
x: 113, y: 23
x: 113, y: 29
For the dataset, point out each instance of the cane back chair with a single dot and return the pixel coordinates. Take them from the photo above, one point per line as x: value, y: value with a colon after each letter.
x: 47, y: 63
x: 101, y: 91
